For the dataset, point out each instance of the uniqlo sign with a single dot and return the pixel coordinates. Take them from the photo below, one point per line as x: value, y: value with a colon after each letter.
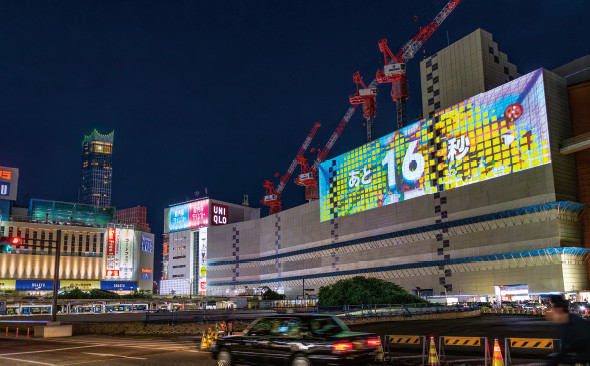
x: 219, y: 214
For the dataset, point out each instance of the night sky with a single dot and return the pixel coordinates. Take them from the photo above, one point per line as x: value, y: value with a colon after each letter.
x: 221, y: 94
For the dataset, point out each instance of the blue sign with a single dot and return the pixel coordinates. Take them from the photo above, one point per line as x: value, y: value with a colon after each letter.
x: 179, y: 217
x: 146, y: 276
x: 147, y: 244
x: 118, y: 285
x: 33, y: 285
x: 4, y: 189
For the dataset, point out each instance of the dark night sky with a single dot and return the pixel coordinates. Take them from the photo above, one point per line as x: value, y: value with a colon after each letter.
x: 221, y: 94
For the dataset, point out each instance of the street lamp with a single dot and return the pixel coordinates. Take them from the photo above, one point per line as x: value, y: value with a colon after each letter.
x: 449, y: 288
x: 418, y: 290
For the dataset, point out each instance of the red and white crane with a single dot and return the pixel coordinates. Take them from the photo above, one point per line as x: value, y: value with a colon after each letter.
x: 394, y: 71
x: 272, y: 198
x: 368, y: 98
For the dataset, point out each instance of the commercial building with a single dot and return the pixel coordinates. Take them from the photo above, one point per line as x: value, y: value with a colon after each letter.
x: 8, y: 190
x: 470, y: 66
x: 577, y: 76
x: 475, y: 203
x: 186, y: 228
x: 95, y: 250
x: 134, y: 216
x: 97, y: 169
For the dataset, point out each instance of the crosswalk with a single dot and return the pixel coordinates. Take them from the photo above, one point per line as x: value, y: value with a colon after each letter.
x: 176, y: 344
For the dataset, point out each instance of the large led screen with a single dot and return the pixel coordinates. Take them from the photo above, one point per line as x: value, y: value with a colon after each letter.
x: 487, y: 136
x: 189, y: 215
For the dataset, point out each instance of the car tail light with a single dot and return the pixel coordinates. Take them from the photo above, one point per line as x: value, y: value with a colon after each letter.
x: 373, y: 342
x: 342, y: 346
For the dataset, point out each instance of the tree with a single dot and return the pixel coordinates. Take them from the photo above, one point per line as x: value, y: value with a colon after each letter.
x: 363, y: 291
x: 272, y: 295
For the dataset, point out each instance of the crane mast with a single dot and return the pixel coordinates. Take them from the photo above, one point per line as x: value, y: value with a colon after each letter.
x: 394, y: 72
x: 368, y: 98
x: 272, y: 197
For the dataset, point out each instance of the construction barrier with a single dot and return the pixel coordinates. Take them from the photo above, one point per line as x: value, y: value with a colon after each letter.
x: 530, y: 312
x: 533, y: 344
x: 452, y: 341
x: 391, y: 341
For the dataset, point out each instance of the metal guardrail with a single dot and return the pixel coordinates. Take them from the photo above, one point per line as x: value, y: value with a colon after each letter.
x: 409, y: 310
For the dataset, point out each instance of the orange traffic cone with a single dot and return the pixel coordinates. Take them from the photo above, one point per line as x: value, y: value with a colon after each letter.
x: 497, y: 360
x: 432, y: 356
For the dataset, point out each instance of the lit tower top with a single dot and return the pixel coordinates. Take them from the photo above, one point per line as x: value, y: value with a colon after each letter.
x: 97, y: 169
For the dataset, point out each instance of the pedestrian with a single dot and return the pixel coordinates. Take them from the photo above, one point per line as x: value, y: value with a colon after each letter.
x: 574, y: 333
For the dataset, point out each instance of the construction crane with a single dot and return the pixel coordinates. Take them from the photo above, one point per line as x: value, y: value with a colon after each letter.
x: 394, y: 70
x: 309, y: 177
x: 368, y: 98
x: 272, y: 199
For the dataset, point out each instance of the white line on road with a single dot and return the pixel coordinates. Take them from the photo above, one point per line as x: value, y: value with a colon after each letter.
x: 47, y: 350
x: 21, y: 360
x: 112, y: 355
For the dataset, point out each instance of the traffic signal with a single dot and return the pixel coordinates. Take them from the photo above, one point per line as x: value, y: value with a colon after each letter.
x: 7, y: 243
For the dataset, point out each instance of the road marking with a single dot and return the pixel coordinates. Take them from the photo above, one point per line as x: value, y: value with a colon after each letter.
x: 35, y: 362
x: 112, y: 355
x: 48, y: 350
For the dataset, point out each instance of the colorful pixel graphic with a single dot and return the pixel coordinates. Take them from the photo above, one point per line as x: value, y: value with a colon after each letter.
x: 487, y: 136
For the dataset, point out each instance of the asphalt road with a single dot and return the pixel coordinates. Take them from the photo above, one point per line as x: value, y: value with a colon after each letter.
x: 101, y: 350
x: 121, y: 350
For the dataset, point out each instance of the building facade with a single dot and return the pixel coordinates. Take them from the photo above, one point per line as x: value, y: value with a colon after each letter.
x: 577, y: 76
x: 8, y: 190
x: 483, y: 206
x: 470, y: 66
x: 186, y: 230
x: 134, y: 216
x: 96, y: 252
x: 97, y: 169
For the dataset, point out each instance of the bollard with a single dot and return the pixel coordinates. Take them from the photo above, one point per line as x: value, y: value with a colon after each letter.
x: 27, y: 332
x: 16, y: 333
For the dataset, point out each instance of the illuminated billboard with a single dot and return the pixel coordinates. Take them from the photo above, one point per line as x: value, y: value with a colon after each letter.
x: 218, y: 214
x: 119, y: 253
x: 490, y: 135
x: 202, y: 275
x: 190, y: 215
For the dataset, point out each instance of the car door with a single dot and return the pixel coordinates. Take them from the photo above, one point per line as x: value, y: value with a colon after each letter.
x: 253, y: 345
x: 285, y: 339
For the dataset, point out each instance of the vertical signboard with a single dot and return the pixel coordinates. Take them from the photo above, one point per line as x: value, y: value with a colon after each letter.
x: 126, y: 264
x: 198, y: 214
x: 119, y: 257
x: 147, y: 244
x: 499, y: 132
x: 179, y: 217
x: 112, y: 268
x: 202, y: 261
x: 218, y: 214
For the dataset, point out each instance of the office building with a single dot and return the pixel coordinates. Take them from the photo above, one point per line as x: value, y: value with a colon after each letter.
x: 97, y: 169
x: 470, y: 66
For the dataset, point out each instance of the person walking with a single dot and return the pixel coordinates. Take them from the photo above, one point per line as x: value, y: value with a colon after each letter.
x: 574, y: 333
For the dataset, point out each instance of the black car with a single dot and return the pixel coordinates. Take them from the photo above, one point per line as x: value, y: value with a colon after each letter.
x: 297, y: 340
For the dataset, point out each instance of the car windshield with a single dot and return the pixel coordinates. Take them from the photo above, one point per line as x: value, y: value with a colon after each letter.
x: 327, y: 326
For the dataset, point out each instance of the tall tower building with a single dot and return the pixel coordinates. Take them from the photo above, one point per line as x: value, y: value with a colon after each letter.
x: 470, y: 66
x: 97, y: 169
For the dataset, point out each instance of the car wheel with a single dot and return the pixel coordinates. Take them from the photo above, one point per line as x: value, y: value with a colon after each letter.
x: 224, y: 358
x: 300, y: 360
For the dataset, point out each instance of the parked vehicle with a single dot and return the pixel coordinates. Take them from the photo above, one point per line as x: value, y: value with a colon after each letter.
x: 297, y: 340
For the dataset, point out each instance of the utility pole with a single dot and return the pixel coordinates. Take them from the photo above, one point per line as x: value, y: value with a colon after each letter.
x: 56, y: 276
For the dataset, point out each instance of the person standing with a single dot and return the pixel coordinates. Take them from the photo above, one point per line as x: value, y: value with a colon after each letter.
x: 574, y: 333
